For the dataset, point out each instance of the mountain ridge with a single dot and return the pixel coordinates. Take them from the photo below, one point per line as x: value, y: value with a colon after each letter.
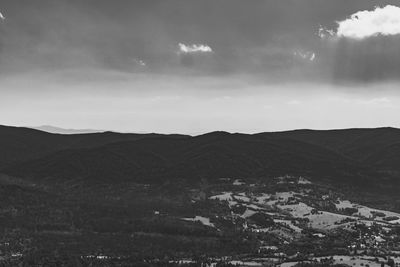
x: 349, y: 155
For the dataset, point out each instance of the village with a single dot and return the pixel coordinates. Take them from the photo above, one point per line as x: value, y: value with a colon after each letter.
x: 307, y: 224
x: 284, y: 221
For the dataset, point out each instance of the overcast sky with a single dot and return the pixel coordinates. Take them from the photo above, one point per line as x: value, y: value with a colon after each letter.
x: 192, y: 66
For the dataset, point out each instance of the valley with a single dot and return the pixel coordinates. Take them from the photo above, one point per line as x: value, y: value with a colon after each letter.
x: 212, y: 200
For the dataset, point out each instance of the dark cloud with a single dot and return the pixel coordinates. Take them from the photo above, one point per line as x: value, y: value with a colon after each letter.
x: 270, y: 39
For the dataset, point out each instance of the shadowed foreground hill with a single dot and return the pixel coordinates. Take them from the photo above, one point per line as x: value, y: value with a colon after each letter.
x: 355, y: 156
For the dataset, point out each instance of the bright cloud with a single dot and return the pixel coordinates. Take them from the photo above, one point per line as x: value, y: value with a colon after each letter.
x: 363, y: 24
x: 324, y: 32
x: 2, y: 16
x: 308, y: 55
x: 194, y: 48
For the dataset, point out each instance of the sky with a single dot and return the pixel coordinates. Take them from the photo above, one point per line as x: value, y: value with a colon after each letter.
x: 174, y: 66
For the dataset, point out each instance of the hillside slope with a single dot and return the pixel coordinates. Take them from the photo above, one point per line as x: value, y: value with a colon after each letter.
x: 363, y: 157
x: 18, y: 144
x: 358, y: 144
x: 209, y: 156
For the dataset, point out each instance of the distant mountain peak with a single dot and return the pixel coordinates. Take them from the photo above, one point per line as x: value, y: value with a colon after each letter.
x: 59, y: 130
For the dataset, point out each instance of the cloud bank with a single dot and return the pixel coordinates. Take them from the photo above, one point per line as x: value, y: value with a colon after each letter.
x: 364, y: 24
x: 277, y: 43
x: 189, y: 66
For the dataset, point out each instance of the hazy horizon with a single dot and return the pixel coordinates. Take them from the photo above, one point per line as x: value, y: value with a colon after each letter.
x: 68, y: 131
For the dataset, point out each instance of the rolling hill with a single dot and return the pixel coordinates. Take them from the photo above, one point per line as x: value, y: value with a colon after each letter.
x: 19, y: 144
x: 356, y: 156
